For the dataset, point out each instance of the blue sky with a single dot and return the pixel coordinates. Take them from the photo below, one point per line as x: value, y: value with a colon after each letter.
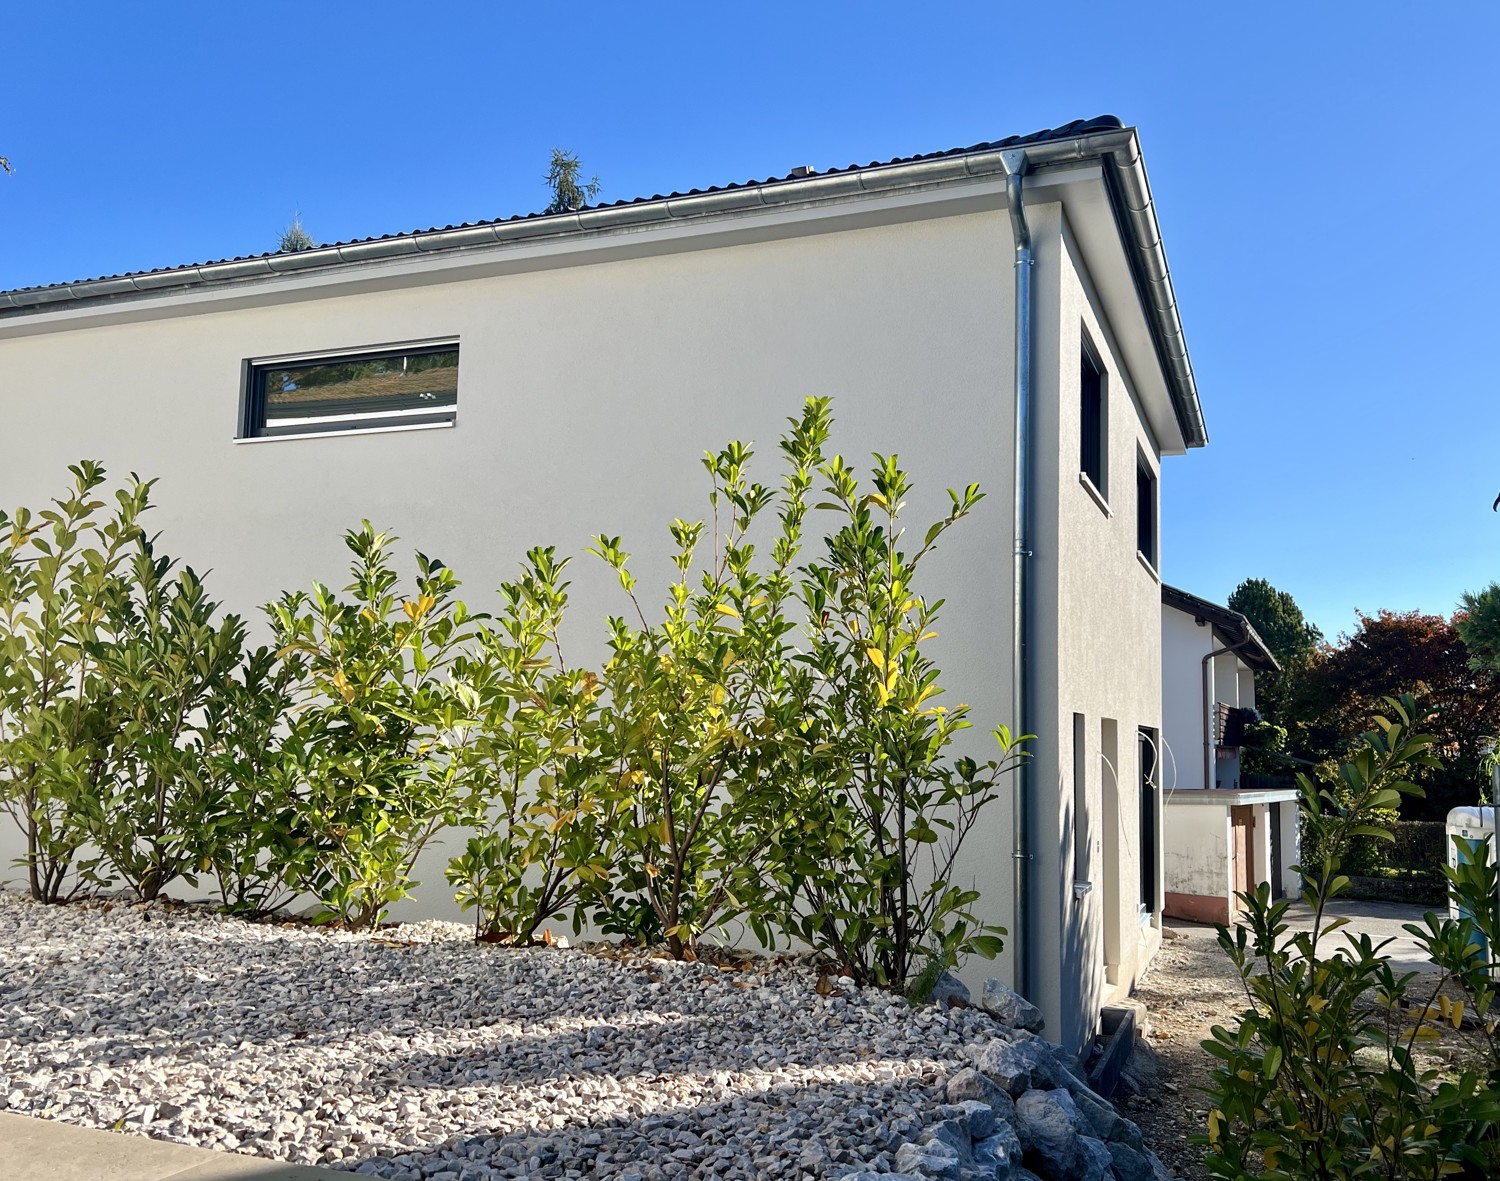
x: 1325, y: 175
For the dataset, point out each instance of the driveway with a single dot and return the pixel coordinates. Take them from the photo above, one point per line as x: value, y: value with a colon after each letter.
x: 1379, y: 920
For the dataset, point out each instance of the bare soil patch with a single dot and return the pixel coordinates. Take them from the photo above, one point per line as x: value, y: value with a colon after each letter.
x: 1190, y: 988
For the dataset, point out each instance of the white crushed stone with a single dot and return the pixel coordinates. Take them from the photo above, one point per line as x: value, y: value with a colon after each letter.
x: 412, y: 1053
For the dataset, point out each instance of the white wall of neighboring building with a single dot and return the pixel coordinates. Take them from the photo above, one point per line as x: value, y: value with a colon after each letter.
x: 1290, y: 830
x: 1197, y: 856
x: 1200, y: 834
x: 1184, y: 644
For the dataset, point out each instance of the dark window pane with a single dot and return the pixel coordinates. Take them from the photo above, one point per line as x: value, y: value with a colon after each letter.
x: 1091, y: 457
x: 1145, y: 513
x: 383, y: 389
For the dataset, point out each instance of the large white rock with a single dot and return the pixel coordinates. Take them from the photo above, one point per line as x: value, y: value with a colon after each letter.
x: 1009, y: 1007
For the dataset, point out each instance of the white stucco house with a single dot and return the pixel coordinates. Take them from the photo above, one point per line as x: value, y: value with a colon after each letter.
x: 1224, y: 833
x: 1001, y: 313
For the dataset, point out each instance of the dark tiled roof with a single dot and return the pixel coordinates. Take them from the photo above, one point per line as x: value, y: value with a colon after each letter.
x: 1066, y: 131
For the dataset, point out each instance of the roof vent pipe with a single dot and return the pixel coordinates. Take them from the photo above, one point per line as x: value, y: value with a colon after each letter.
x: 800, y: 171
x: 1015, y: 170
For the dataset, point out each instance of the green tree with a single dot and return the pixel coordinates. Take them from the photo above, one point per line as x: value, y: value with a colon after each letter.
x: 169, y: 655
x: 378, y: 780
x: 60, y: 568
x: 546, y: 799
x: 869, y: 868
x: 713, y: 722
x: 295, y: 237
x: 1391, y: 653
x: 1478, y: 624
x: 1275, y: 615
x: 568, y: 193
x: 1294, y: 642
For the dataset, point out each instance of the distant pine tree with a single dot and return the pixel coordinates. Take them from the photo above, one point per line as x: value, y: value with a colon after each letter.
x: 295, y: 238
x: 562, y: 178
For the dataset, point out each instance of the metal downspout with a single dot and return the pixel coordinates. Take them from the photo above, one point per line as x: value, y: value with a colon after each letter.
x: 1208, y: 725
x: 1015, y: 169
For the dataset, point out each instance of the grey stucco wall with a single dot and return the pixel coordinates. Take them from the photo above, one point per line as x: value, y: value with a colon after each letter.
x: 1102, y: 606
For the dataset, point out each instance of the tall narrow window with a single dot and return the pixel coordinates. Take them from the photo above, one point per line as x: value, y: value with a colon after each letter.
x: 376, y: 389
x: 1092, y: 421
x: 1082, y: 838
x: 1146, y: 742
x: 1145, y: 511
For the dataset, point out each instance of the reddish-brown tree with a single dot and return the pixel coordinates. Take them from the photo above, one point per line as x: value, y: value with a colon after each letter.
x: 1388, y: 654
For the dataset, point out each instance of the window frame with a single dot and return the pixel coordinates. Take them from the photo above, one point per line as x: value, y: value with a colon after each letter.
x: 1089, y: 361
x: 1083, y: 853
x: 251, y: 425
x: 1147, y: 515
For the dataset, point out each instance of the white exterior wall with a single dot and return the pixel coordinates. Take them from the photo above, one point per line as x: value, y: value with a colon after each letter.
x: 1184, y: 644
x: 1291, y: 848
x: 1104, y: 606
x: 590, y: 385
x: 587, y: 395
x: 1198, y: 850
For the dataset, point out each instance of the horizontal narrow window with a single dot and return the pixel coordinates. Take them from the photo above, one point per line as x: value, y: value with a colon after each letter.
x: 375, y: 389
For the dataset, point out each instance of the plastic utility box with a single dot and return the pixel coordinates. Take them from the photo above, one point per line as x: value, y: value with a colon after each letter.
x: 1474, y: 823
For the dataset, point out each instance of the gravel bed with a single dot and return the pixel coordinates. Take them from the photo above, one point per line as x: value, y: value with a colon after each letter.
x: 412, y: 1053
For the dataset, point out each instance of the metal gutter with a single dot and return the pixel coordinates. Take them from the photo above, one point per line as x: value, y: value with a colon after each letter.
x: 1016, y: 164
x: 1118, y: 149
x: 766, y: 195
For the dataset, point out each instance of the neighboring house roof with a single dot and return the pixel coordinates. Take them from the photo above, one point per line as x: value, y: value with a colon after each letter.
x: 1104, y: 138
x: 1233, y: 626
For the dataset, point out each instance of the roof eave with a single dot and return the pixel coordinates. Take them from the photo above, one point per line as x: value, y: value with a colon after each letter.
x: 1118, y: 148
x: 1129, y: 192
x: 1239, y: 631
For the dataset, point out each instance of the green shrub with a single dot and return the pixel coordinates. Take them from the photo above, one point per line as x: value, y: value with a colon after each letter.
x: 376, y: 782
x: 540, y: 783
x: 867, y: 872
x: 705, y: 714
x: 1319, y: 1080
x: 767, y: 749
x: 165, y: 658
x: 251, y: 826
x: 60, y: 568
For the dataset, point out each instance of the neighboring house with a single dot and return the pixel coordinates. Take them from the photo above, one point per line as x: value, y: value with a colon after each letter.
x: 542, y: 379
x: 1224, y: 832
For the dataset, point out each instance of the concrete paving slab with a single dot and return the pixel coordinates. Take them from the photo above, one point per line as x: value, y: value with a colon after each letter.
x: 1382, y: 921
x: 49, y: 1150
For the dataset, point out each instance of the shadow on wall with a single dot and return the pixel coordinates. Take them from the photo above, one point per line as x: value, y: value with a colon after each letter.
x: 1081, y: 952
